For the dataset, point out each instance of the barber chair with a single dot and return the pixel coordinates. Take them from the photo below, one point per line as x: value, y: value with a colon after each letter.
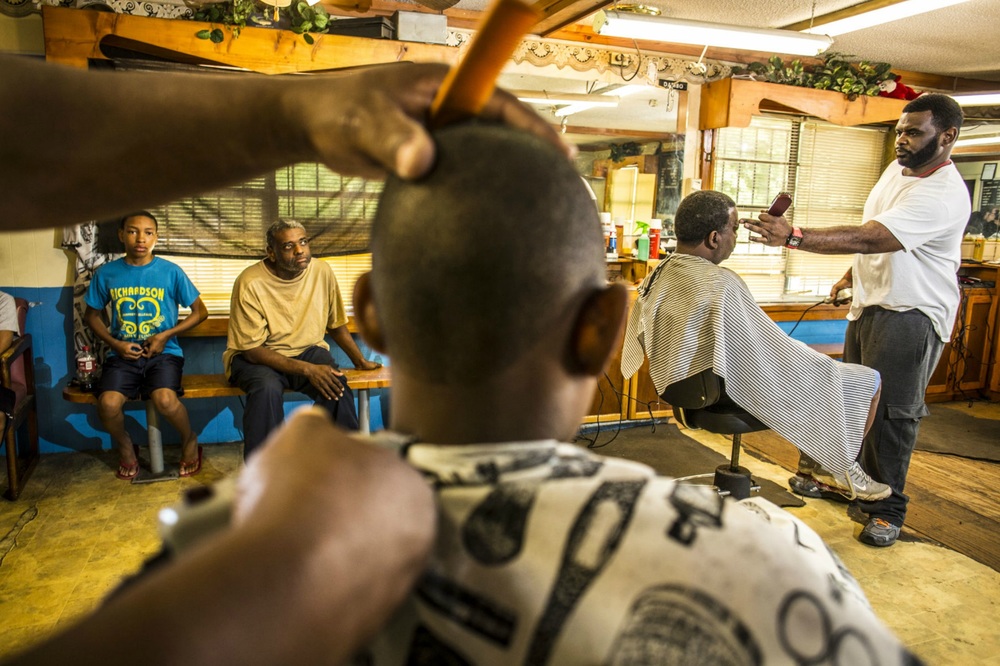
x: 700, y: 402
x: 17, y: 400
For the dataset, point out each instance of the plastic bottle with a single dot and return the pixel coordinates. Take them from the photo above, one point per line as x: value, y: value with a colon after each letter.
x: 978, y: 245
x: 612, y: 245
x: 619, y: 235
x: 86, y: 369
x: 642, y: 247
x: 655, y: 228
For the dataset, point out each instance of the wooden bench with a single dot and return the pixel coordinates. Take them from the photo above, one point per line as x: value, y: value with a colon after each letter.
x: 216, y: 386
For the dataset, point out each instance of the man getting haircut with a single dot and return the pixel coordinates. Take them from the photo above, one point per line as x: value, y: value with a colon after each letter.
x: 488, y: 291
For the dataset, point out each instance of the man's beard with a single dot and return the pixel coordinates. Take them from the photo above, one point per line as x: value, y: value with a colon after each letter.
x: 920, y: 157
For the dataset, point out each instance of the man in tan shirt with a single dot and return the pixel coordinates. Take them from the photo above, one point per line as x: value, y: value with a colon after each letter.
x: 281, y: 309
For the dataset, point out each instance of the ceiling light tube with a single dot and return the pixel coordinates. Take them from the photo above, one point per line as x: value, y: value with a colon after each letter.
x: 900, y: 10
x: 615, y: 93
x: 545, y: 97
x: 699, y: 33
x: 981, y: 99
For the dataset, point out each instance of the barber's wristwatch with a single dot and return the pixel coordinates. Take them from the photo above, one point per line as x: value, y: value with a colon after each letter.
x: 794, y: 239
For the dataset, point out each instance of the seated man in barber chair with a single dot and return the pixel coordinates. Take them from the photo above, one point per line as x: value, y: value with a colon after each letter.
x: 692, y: 314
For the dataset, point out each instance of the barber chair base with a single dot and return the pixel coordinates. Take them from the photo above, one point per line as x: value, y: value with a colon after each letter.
x: 738, y: 483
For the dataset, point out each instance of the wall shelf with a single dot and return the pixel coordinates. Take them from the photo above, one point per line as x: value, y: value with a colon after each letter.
x: 74, y: 36
x: 732, y: 102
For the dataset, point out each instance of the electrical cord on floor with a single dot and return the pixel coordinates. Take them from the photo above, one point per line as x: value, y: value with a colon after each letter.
x: 592, y: 442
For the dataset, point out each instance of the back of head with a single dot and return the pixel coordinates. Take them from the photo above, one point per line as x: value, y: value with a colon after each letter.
x: 944, y: 109
x: 701, y: 213
x: 474, y: 263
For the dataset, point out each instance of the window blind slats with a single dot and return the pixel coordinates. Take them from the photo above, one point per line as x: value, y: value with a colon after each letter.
x: 829, y: 170
x: 214, y: 278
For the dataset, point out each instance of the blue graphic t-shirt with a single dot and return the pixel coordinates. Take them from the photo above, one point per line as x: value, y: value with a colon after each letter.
x: 144, y: 299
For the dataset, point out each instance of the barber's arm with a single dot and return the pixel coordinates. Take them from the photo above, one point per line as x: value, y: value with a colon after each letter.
x: 366, y: 121
x: 872, y: 237
x: 345, y: 341
x: 327, y: 541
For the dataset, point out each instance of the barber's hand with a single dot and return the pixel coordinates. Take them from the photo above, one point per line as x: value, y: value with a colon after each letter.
x: 371, y: 121
x: 368, y: 365
x: 844, y: 283
x: 771, y: 231
x: 309, y: 466
x: 355, y: 524
x: 127, y: 350
x: 325, y: 379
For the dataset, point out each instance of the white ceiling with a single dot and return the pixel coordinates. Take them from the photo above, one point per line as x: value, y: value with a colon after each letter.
x: 958, y: 41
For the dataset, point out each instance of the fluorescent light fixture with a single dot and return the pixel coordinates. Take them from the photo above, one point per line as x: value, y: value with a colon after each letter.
x: 981, y: 99
x: 978, y: 141
x: 615, y: 94
x: 699, y: 33
x: 545, y: 97
x: 895, y: 12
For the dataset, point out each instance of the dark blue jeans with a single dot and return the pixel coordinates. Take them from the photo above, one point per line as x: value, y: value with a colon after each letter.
x: 265, y: 389
x: 905, y: 350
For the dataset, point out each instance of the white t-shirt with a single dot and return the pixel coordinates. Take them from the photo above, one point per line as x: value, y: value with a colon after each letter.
x: 928, y: 217
x: 8, y: 314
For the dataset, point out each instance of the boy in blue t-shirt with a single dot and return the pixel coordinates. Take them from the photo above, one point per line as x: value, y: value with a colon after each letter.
x: 145, y: 359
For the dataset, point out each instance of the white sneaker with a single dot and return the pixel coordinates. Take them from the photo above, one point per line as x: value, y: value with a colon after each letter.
x: 856, y: 484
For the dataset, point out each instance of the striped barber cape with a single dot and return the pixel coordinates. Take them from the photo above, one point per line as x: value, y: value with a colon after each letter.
x: 691, y: 315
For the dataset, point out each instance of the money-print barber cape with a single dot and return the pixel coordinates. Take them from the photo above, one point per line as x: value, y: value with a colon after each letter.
x: 691, y: 315
x: 547, y: 554
x: 144, y: 299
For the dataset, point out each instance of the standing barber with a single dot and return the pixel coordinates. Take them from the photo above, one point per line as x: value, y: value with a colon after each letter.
x: 905, y: 292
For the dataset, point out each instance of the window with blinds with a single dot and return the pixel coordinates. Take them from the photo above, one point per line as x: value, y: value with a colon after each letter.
x: 230, y: 223
x: 214, y: 236
x: 214, y: 278
x: 828, y: 170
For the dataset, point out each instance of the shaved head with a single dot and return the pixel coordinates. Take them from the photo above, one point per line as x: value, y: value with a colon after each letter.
x: 474, y: 264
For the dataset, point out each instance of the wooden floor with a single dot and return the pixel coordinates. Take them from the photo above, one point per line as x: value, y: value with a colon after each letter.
x: 954, y: 501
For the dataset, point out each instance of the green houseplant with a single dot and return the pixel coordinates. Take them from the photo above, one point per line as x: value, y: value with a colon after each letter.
x: 836, y: 72
x: 299, y: 17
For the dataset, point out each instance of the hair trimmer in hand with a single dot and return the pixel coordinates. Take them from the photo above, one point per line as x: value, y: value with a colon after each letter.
x: 780, y: 204
x: 843, y: 296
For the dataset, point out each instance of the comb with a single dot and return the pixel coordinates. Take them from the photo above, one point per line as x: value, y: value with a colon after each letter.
x: 469, y: 85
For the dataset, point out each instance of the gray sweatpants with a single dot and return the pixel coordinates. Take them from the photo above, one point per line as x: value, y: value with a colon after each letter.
x: 905, y: 350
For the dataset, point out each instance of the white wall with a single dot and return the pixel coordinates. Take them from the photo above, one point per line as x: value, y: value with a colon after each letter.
x: 22, y: 35
x: 34, y: 259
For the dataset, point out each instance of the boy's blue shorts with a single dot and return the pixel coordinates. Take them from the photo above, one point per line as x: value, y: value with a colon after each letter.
x: 138, y: 379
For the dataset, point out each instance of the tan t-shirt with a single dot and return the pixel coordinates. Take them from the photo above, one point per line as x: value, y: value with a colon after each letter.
x: 285, y: 316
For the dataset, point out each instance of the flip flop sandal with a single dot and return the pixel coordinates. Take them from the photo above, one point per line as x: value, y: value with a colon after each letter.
x: 191, y: 471
x: 131, y: 471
